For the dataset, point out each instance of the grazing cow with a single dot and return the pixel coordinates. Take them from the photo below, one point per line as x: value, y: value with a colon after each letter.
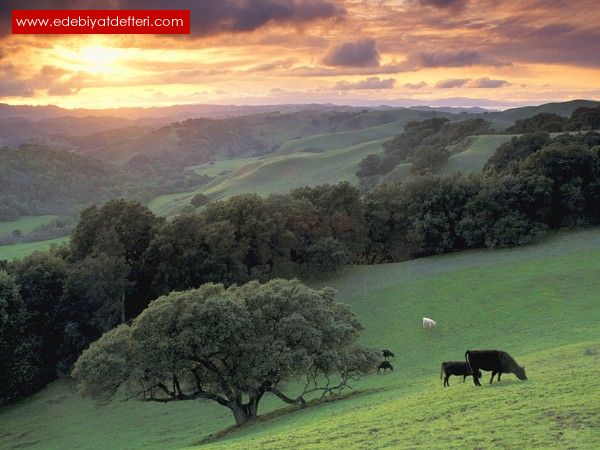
x: 429, y: 323
x: 387, y: 354
x: 496, y: 361
x: 385, y: 365
x: 459, y: 368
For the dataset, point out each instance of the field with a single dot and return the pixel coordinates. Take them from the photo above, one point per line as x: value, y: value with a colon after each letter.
x: 278, y: 174
x: 539, y: 303
x: 331, y: 141
x: 22, y: 249
x: 474, y: 157
x: 26, y: 224
x: 217, y: 167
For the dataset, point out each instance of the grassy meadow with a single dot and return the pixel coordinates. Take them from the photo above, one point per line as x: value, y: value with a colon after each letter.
x: 26, y: 224
x: 540, y: 303
x: 22, y: 249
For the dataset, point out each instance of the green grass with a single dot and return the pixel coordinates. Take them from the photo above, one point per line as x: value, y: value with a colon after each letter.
x: 342, y: 139
x: 221, y: 165
x: 26, y: 224
x: 540, y: 303
x: 474, y: 157
x: 279, y: 174
x: 8, y: 252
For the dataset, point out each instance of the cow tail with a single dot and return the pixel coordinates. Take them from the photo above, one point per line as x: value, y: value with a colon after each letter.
x: 467, y: 361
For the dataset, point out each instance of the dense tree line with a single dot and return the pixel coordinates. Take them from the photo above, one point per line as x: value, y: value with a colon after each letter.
x: 582, y: 119
x: 121, y: 256
x: 427, y: 144
x: 37, y: 180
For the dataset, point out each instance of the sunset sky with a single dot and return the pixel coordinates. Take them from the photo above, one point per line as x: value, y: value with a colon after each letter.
x: 502, y: 53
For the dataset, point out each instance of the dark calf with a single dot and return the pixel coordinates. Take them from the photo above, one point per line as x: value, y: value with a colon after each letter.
x: 385, y: 365
x: 387, y: 354
x: 495, y: 361
x: 459, y: 368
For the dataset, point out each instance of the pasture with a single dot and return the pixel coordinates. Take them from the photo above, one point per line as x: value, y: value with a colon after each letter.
x: 22, y: 249
x: 26, y: 224
x: 539, y: 303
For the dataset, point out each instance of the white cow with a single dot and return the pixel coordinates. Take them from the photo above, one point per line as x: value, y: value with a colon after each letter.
x: 429, y: 323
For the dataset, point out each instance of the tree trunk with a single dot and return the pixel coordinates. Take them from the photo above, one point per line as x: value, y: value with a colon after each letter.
x: 244, y: 412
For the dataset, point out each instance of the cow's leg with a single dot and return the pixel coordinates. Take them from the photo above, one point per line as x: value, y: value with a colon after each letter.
x: 464, y: 378
x: 446, y: 380
x: 475, y: 379
x: 492, y: 379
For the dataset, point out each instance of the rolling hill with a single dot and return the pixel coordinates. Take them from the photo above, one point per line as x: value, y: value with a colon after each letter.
x: 278, y: 174
x: 506, y: 118
x: 538, y: 302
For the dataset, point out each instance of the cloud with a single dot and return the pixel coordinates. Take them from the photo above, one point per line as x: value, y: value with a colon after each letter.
x: 442, y: 4
x: 369, y: 83
x: 273, y: 65
x: 452, y: 83
x: 447, y: 59
x: 360, y: 53
x: 207, y: 17
x: 487, y: 83
x: 56, y: 81
x: 419, y: 85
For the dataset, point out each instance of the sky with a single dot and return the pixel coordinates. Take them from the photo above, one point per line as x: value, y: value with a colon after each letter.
x: 441, y: 52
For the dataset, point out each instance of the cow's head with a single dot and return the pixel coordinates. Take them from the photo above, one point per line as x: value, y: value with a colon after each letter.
x: 520, y: 373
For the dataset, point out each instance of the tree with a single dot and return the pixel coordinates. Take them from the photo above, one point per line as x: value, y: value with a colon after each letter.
x: 93, y: 302
x: 231, y: 346
x: 199, y: 200
x: 41, y: 278
x: 18, y: 370
x: 426, y: 159
x: 368, y: 166
x: 123, y: 230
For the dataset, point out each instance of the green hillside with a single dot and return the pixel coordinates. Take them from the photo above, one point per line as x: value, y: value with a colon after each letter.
x: 539, y: 303
x: 26, y: 224
x: 330, y: 141
x: 8, y: 252
x: 279, y: 174
x: 474, y: 157
x: 505, y: 119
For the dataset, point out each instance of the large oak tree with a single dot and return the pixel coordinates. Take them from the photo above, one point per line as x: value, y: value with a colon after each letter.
x: 230, y: 345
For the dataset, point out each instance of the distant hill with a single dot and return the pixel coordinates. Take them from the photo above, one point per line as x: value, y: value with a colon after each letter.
x: 36, y: 180
x: 195, y: 141
x: 504, y: 119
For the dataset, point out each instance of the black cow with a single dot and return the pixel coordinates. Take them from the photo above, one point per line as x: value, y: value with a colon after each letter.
x: 496, y: 361
x: 387, y: 354
x: 385, y: 365
x: 459, y: 368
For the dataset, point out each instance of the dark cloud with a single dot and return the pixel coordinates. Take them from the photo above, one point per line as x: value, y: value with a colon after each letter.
x: 208, y: 17
x: 442, y: 4
x: 487, y: 83
x: 459, y: 58
x: 361, y: 53
x: 419, y: 85
x: 452, y: 83
x: 56, y: 81
x: 369, y: 83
